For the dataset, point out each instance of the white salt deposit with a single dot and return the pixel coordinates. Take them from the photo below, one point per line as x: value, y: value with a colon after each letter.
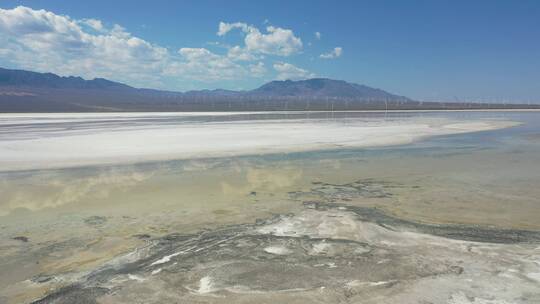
x: 205, y: 285
x: 534, y: 275
x: 320, y: 248
x: 356, y: 283
x: 135, y: 278
x: 166, y: 258
x: 26, y: 143
x: 278, y: 250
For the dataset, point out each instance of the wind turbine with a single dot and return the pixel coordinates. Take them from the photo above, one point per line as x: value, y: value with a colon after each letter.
x: 332, y: 109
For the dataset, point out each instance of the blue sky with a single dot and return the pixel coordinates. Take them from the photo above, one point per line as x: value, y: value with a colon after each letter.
x: 428, y: 50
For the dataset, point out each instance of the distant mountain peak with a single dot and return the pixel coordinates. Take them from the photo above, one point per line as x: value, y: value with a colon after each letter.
x: 321, y: 87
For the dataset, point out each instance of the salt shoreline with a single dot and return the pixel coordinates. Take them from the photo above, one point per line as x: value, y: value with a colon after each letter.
x: 36, y: 148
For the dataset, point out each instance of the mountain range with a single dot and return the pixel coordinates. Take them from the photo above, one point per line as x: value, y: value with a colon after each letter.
x: 26, y: 91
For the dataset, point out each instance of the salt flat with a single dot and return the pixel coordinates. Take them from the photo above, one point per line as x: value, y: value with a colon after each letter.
x: 39, y: 141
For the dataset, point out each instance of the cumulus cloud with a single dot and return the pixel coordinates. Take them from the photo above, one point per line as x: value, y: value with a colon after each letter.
x: 318, y: 35
x: 204, y: 65
x: 257, y: 70
x: 224, y: 27
x: 276, y: 40
x: 44, y: 41
x: 336, y: 52
x: 238, y: 53
x: 95, y: 24
x: 288, y: 71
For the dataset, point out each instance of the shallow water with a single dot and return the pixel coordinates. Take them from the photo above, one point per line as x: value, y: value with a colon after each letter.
x: 444, y: 196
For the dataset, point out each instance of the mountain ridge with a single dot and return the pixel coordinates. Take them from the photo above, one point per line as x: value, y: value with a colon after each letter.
x: 28, y: 78
x: 26, y: 91
x: 314, y: 87
x: 322, y: 87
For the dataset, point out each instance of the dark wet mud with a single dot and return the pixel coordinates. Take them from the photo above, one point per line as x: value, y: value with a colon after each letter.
x: 363, y: 188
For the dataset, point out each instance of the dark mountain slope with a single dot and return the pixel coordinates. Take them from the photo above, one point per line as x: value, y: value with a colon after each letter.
x: 24, y: 91
x: 50, y: 80
x: 322, y: 87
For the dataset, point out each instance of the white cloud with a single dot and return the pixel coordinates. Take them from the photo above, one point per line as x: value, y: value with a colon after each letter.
x: 335, y: 53
x: 44, y: 41
x: 119, y: 31
x: 203, y: 65
x: 288, y: 71
x: 318, y: 35
x: 238, y: 53
x: 257, y: 70
x: 95, y: 24
x: 224, y: 27
x: 276, y: 40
